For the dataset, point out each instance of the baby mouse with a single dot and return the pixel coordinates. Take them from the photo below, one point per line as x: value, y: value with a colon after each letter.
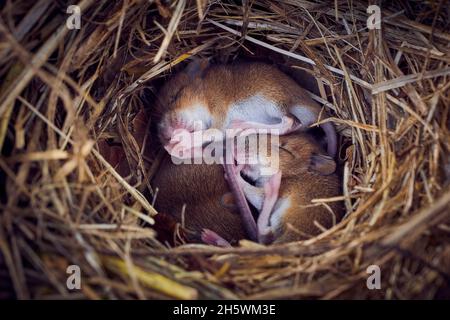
x: 209, y: 203
x: 306, y: 173
x: 239, y: 96
x: 302, y: 172
x: 283, y: 200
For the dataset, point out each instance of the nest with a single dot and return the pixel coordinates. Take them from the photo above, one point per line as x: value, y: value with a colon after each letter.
x: 78, y: 148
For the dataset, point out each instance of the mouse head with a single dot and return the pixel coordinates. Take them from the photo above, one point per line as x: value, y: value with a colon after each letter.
x: 185, y: 82
x: 188, y: 111
x: 299, y: 152
x: 183, y: 103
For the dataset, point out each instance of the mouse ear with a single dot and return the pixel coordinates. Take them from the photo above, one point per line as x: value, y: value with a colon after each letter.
x: 322, y: 164
x: 196, y: 67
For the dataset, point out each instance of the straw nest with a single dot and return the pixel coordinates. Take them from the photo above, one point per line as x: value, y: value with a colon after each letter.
x: 75, y: 114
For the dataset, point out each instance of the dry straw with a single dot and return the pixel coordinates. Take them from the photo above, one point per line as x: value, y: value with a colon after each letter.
x: 64, y: 91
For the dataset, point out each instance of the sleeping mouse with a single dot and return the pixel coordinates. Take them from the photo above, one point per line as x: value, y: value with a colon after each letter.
x: 281, y: 202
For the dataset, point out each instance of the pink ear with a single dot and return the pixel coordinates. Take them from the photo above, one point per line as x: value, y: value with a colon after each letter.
x: 322, y: 164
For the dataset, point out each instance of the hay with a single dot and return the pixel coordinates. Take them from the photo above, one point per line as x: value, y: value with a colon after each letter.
x: 64, y: 93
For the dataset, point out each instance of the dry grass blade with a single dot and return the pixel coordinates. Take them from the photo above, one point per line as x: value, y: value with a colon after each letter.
x: 155, y: 281
x: 77, y: 161
x: 170, y: 30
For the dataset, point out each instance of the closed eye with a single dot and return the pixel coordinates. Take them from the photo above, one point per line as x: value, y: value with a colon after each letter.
x: 287, y: 150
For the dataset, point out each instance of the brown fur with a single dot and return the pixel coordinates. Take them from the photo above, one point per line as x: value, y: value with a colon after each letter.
x: 202, y: 188
x: 224, y: 85
x: 302, y: 181
x: 218, y: 86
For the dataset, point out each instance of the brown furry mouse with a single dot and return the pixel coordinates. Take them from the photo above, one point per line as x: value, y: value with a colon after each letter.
x: 239, y: 96
x: 233, y: 99
x: 304, y: 172
x: 204, y: 191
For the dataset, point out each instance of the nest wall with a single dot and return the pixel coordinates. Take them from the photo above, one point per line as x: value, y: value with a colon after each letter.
x: 79, y: 147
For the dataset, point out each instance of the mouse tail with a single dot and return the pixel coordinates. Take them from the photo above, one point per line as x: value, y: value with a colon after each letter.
x: 307, y: 115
